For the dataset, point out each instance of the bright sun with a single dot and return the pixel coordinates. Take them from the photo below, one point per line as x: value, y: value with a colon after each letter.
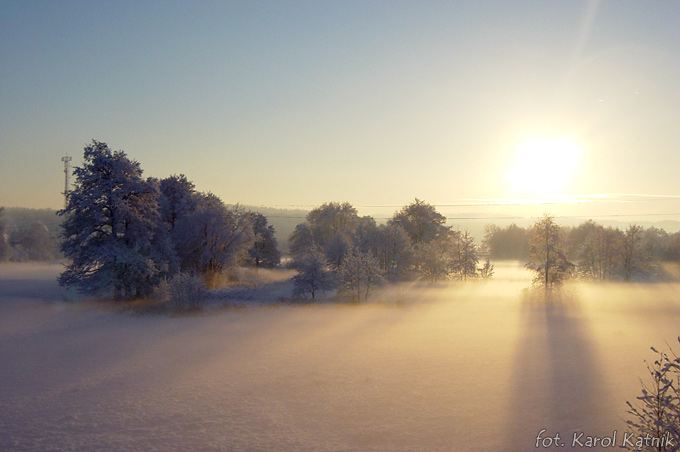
x: 544, y: 166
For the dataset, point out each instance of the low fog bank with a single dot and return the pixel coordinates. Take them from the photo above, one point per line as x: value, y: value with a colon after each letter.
x: 460, y: 366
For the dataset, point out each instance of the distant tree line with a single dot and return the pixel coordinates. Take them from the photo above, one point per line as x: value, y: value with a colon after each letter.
x: 336, y: 248
x: 597, y: 252
x: 29, y: 237
x: 124, y: 234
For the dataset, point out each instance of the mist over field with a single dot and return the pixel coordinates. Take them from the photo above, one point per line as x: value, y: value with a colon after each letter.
x: 441, y: 367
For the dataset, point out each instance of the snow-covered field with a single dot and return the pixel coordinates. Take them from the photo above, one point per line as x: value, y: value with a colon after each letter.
x: 457, y: 367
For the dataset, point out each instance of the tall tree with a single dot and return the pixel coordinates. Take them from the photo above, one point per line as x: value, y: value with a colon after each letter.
x: 177, y: 200
x: 673, y: 250
x: 265, y: 251
x: 110, y: 224
x: 337, y: 249
x: 465, y: 259
x: 213, y: 237
x: 331, y: 219
x: 601, y: 253
x: 547, y: 256
x: 421, y: 221
x: 654, y: 243
x: 300, y: 241
x: 633, y: 258
x: 395, y: 253
x: 364, y: 235
x: 436, y: 259
x: 331, y: 228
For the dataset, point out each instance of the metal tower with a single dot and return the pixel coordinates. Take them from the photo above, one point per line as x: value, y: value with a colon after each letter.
x: 67, y: 172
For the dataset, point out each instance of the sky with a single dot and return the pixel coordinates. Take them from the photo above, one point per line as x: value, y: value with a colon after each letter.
x: 515, y: 107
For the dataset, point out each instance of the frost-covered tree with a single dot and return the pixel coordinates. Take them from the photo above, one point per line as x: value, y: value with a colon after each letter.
x: 633, y: 258
x: 213, y: 237
x: 313, y: 277
x: 396, y: 256
x: 576, y: 238
x: 300, y: 241
x: 332, y: 228
x: 673, y: 250
x: 421, y: 221
x: 486, y: 271
x: 358, y: 274
x: 547, y: 256
x: 465, y: 260
x: 435, y: 258
x: 654, y: 242
x: 264, y: 252
x: 337, y: 249
x: 365, y: 234
x: 111, y: 227
x: 177, y: 199
x: 331, y: 219
x: 601, y: 253
x: 656, y: 417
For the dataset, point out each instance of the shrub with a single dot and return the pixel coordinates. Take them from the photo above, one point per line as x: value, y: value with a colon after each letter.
x: 183, y: 292
x: 657, y: 415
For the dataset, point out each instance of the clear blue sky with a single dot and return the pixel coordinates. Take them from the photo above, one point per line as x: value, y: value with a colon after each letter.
x: 298, y: 103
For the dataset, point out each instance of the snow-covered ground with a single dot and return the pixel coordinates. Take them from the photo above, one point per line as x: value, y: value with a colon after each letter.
x: 457, y: 367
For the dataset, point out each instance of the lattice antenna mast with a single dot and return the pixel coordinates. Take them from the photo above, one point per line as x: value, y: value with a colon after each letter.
x: 67, y: 173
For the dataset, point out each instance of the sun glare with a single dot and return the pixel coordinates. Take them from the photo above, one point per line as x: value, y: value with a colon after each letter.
x: 544, y: 166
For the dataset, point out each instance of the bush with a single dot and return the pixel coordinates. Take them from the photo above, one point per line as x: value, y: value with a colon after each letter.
x: 657, y: 416
x: 183, y: 292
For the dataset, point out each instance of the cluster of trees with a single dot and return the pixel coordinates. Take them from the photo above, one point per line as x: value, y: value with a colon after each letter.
x: 599, y: 252
x: 28, y: 239
x: 124, y: 234
x: 335, y: 247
